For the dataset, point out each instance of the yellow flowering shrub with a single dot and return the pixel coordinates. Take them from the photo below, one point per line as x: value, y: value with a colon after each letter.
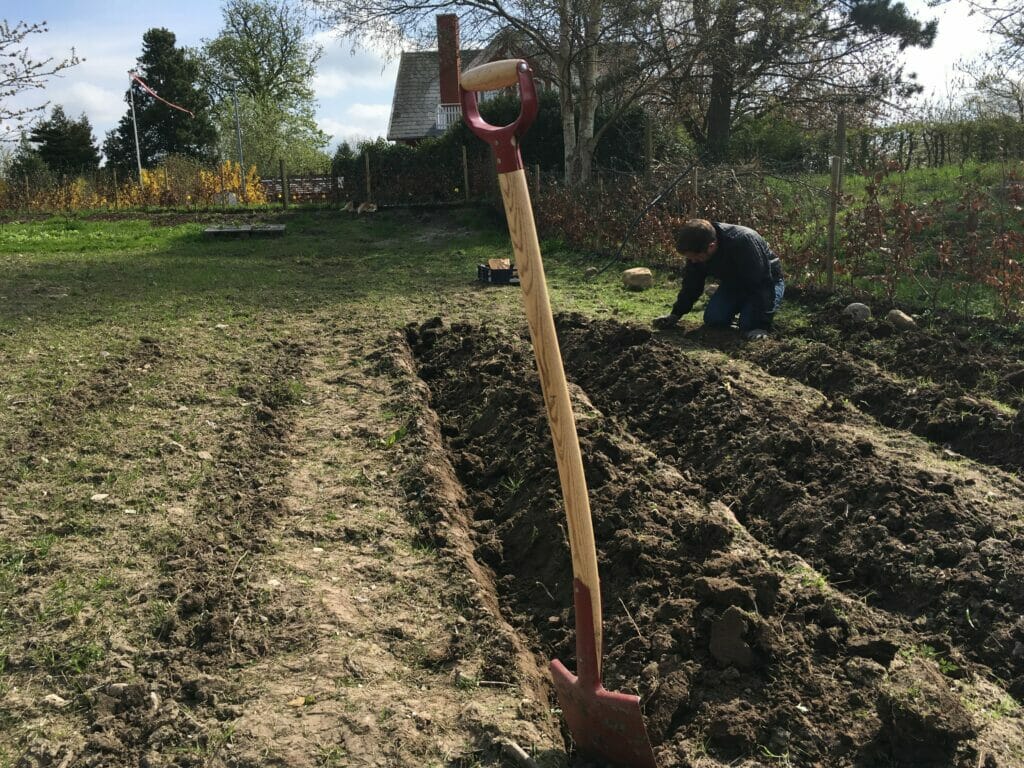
x: 177, y: 182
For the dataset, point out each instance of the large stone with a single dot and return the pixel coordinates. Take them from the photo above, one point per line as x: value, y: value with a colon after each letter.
x: 901, y: 320
x: 728, y: 645
x: 858, y: 312
x: 638, y: 278
x: 924, y: 721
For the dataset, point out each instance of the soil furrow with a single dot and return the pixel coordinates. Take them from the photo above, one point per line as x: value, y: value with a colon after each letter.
x: 740, y: 652
x: 878, y: 525
x: 981, y: 357
x: 943, y: 415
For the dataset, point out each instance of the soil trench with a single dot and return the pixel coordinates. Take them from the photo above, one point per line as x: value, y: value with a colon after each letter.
x: 768, y: 626
x: 981, y: 357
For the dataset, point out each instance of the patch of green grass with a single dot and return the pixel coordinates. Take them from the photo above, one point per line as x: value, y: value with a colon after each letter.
x: 925, y: 651
x: 61, y: 234
x: 331, y: 757
x: 391, y: 440
x: 1007, y: 706
x: 604, y: 295
x: 810, y: 578
x: 69, y: 658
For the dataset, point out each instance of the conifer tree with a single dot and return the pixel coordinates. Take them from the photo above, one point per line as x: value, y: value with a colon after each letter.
x: 173, y: 73
x: 65, y: 146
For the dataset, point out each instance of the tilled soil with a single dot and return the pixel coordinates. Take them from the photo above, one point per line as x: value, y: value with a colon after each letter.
x: 981, y: 357
x: 783, y: 579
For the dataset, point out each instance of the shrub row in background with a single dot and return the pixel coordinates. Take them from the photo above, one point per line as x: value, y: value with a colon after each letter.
x: 176, y: 182
x: 962, y: 249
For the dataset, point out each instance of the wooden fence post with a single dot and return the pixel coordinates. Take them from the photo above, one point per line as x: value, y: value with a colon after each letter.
x: 465, y: 172
x: 833, y: 207
x: 836, y: 192
x: 369, y: 189
x: 648, y: 147
x: 284, y: 186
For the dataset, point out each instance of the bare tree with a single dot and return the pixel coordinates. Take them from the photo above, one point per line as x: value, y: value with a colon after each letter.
x: 747, y: 58
x: 996, y: 77
x: 1006, y: 23
x: 586, y: 48
x: 20, y: 72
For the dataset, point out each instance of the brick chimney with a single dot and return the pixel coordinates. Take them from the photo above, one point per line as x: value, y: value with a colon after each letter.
x: 448, y: 57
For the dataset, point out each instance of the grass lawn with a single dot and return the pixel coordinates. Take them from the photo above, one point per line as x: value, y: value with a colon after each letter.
x: 138, y: 363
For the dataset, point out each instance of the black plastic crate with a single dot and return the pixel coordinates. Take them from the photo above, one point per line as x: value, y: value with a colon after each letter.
x: 508, y: 276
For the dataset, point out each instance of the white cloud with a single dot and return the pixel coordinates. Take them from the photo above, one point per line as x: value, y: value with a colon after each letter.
x: 353, y: 89
x: 341, y: 71
x: 961, y: 35
x: 370, y: 112
x: 358, y: 122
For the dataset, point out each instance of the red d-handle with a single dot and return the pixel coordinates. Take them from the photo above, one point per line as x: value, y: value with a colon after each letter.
x: 504, y: 140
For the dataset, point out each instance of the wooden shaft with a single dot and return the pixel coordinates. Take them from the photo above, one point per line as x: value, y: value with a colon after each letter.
x: 491, y: 77
x: 521, y: 227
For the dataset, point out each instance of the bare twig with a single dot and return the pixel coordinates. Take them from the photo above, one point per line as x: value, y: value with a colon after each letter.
x: 628, y: 616
x: 516, y: 752
x: 546, y: 591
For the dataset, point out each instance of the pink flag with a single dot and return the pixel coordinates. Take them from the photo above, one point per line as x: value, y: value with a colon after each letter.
x: 156, y: 96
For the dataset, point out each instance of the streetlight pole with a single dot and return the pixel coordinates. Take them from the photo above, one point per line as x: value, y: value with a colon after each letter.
x: 135, y: 125
x: 238, y: 133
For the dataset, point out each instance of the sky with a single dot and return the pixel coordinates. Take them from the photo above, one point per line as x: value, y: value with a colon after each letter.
x: 354, y: 91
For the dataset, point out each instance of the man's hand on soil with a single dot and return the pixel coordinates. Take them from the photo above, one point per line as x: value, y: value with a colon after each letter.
x: 665, y: 321
x: 757, y: 333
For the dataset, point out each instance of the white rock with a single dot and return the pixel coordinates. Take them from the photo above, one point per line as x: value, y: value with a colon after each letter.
x: 901, y: 320
x: 99, y: 497
x: 638, y: 278
x: 55, y: 701
x: 857, y: 311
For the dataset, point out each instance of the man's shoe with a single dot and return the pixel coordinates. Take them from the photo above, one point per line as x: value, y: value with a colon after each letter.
x: 665, y: 321
x: 757, y: 333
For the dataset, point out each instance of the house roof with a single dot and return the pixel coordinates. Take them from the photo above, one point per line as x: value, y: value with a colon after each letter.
x: 417, y: 94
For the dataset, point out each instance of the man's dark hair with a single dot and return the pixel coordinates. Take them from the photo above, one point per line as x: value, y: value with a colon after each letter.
x: 695, y: 236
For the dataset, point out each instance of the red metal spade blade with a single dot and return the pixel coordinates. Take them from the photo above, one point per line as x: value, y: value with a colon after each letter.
x: 605, y: 725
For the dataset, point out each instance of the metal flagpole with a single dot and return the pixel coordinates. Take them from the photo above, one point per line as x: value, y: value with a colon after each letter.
x: 238, y: 132
x: 135, y: 127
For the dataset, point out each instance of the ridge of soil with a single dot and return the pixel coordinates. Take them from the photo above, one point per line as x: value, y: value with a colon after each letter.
x: 981, y: 355
x: 741, y: 649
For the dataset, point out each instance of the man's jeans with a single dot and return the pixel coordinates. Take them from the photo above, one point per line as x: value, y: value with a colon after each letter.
x: 729, y: 301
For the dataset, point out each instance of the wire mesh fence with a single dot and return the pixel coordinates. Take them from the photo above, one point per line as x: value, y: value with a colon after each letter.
x: 944, y: 231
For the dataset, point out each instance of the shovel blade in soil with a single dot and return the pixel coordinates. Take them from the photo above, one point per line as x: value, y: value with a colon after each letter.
x: 606, y: 726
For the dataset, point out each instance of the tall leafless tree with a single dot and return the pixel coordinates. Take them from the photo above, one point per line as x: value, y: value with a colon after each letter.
x: 584, y: 47
x: 748, y: 58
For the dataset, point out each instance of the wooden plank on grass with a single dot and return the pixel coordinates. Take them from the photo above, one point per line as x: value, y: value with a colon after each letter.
x: 255, y: 230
